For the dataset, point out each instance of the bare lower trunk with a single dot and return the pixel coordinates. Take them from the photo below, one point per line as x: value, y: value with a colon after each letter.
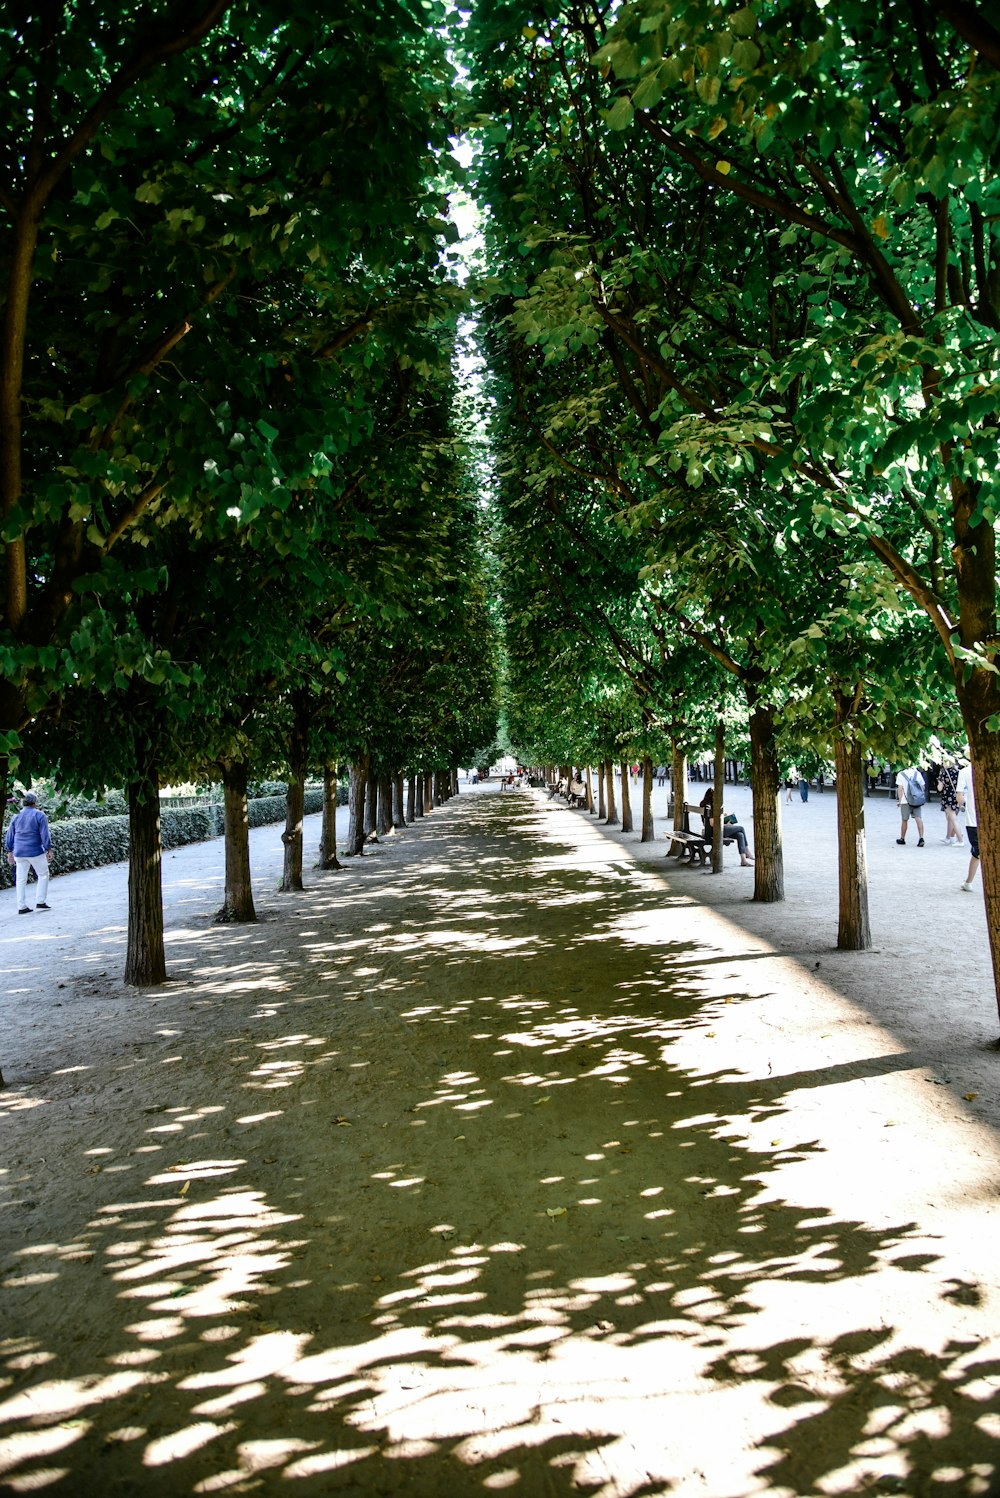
x: 356, y: 806
x: 678, y: 783
x: 601, y: 803
x: 328, y: 830
x: 609, y: 773
x: 383, y: 814
x: 854, y: 928
x: 590, y: 792
x: 626, y: 800
x: 648, y: 830
x: 398, y: 814
x: 718, y: 800
x: 145, y: 961
x: 237, y: 900
x: 985, y: 746
x: 411, y: 798
x: 293, y: 836
x: 371, y: 802
x: 769, y: 866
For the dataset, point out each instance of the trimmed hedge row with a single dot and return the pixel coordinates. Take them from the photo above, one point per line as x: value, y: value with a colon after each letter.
x: 92, y: 842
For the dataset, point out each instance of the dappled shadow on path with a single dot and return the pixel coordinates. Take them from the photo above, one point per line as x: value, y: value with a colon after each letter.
x: 459, y: 1220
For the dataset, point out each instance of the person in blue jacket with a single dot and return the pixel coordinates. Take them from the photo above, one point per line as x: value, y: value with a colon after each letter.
x: 29, y: 846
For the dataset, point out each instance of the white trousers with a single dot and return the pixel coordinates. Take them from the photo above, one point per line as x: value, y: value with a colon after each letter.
x: 41, y: 868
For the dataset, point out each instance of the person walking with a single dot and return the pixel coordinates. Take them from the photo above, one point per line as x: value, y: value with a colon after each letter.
x: 948, y: 786
x: 29, y: 846
x: 911, y: 793
x: 967, y: 803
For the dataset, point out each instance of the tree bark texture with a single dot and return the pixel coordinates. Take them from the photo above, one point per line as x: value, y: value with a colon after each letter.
x: 237, y: 899
x: 328, y: 828
x: 411, y: 798
x: 769, y: 857
x: 977, y: 698
x: 371, y: 802
x: 145, y: 961
x: 609, y: 772
x: 383, y: 815
x: 719, y: 799
x: 854, y: 927
x: 357, y: 786
x: 293, y: 836
x: 678, y: 787
x: 648, y: 828
x: 590, y: 792
x: 626, y: 799
x: 398, y: 813
x: 601, y: 798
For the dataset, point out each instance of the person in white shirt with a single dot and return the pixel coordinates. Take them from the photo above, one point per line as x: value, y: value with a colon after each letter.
x: 910, y: 784
x: 966, y: 798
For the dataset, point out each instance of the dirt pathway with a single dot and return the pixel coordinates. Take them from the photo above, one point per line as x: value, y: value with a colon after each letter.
x: 496, y: 1163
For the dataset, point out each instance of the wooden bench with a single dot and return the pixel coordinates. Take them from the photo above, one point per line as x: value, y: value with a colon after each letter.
x: 695, y: 846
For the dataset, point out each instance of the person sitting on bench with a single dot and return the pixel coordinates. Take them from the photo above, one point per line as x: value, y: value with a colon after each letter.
x: 731, y: 831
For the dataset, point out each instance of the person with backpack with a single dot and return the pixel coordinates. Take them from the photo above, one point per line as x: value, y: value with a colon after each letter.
x: 911, y: 794
x: 29, y: 846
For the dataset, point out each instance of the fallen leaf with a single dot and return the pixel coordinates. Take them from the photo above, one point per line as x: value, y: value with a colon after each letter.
x: 540, y: 1100
x: 969, y: 1096
x: 342, y: 1122
x: 555, y: 1211
x: 710, y: 1034
x: 184, y: 1189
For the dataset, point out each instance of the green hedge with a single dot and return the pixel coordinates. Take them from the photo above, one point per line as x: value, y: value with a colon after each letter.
x: 90, y: 843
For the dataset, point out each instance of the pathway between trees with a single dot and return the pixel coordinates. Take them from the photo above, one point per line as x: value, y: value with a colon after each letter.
x: 498, y: 1163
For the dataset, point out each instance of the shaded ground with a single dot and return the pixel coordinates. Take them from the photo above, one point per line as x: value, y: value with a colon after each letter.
x: 511, y: 1159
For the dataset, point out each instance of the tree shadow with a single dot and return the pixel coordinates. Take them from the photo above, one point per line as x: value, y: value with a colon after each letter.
x: 413, y: 1195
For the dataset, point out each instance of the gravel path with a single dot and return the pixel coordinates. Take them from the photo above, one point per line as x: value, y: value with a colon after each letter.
x: 513, y: 1157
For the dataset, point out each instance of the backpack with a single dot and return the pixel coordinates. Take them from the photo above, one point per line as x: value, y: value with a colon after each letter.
x: 916, y: 795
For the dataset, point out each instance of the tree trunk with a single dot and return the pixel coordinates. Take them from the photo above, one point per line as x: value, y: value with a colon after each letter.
x: 293, y: 836
x: 398, y: 813
x: 371, y: 802
x: 853, y: 929
x: 356, y: 806
x: 648, y: 826
x: 328, y: 830
x: 719, y: 799
x: 411, y: 799
x: 626, y: 800
x: 590, y: 793
x: 769, y: 865
x: 601, y: 807
x: 978, y: 700
x: 678, y: 785
x: 237, y: 900
x: 609, y: 774
x: 145, y: 961
x: 383, y: 812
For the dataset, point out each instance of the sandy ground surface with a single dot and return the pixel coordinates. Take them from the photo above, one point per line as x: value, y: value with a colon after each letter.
x: 512, y: 1159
